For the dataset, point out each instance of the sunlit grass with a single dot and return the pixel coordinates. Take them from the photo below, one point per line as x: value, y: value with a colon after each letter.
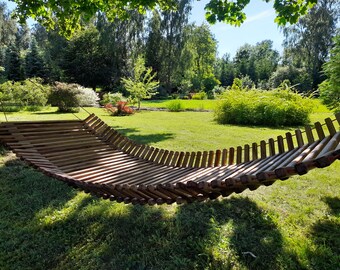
x: 293, y: 224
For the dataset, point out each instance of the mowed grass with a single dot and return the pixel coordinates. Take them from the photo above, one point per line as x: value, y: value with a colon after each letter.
x: 186, y: 104
x: 292, y: 224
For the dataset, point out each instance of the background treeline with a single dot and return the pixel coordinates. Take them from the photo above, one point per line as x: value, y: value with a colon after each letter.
x: 183, y: 54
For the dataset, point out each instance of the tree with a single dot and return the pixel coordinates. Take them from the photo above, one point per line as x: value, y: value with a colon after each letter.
x: 68, y: 15
x: 142, y: 84
x: 226, y: 71
x: 35, y: 66
x: 13, y: 64
x: 84, y: 62
x: 307, y: 43
x: 330, y: 88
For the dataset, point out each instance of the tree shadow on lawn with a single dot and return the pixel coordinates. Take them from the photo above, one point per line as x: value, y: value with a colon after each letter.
x: 326, y: 237
x: 133, y: 134
x: 45, y: 224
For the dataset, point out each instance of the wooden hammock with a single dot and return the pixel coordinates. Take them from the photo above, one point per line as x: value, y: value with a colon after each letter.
x: 92, y: 156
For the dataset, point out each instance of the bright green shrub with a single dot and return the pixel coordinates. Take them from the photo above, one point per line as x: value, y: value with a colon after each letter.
x: 30, y: 94
x: 69, y: 97
x: 175, y: 105
x: 200, y: 95
x: 256, y: 107
x: 112, y: 98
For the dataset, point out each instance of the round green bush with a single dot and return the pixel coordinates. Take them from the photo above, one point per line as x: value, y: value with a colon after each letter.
x: 265, y: 108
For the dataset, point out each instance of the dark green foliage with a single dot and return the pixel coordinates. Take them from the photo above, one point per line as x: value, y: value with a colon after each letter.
x: 307, y: 43
x: 35, y: 66
x: 267, y: 108
x: 13, y: 64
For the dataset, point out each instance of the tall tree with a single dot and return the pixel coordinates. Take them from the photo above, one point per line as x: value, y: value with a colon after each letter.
x: 307, y: 43
x: 13, y: 64
x: 84, y: 62
x: 172, y: 26
x: 34, y: 63
x: 154, y: 42
x: 227, y: 72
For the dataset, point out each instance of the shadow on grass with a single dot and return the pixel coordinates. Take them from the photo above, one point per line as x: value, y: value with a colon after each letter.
x: 45, y: 224
x: 132, y: 133
x: 326, y: 237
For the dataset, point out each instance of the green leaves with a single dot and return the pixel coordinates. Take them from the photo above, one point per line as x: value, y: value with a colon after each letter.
x: 68, y: 15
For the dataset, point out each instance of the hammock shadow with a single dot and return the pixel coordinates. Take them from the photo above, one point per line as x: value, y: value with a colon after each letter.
x: 45, y: 224
x: 326, y: 238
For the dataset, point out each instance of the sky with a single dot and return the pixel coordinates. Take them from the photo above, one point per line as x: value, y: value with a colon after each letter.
x: 258, y: 26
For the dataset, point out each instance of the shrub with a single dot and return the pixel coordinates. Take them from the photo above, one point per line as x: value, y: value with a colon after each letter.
x: 111, y: 98
x: 255, y: 107
x: 175, y: 106
x: 69, y: 97
x: 200, y: 95
x: 30, y: 94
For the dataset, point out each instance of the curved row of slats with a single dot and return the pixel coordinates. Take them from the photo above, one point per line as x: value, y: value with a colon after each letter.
x: 90, y: 155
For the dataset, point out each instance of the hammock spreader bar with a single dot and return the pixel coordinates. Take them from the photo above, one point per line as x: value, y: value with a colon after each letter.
x: 90, y: 155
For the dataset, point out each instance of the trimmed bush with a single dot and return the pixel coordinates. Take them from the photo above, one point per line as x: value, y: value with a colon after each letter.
x: 175, y: 105
x: 256, y: 107
x: 200, y: 95
x: 30, y: 94
x: 69, y: 97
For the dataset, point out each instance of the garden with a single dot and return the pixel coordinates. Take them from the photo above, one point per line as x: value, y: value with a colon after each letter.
x: 157, y: 79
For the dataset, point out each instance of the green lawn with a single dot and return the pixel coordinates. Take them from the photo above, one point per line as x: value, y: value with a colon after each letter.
x: 45, y: 224
x: 187, y: 104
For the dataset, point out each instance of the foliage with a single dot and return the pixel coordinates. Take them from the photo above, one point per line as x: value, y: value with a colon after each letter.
x: 307, y: 43
x: 30, y: 93
x: 69, y: 97
x: 68, y: 15
x: 120, y: 108
x: 200, y: 95
x: 175, y: 105
x: 298, y: 77
x: 35, y: 65
x: 13, y: 64
x: 111, y: 98
x: 330, y: 88
x: 142, y: 84
x: 280, y: 107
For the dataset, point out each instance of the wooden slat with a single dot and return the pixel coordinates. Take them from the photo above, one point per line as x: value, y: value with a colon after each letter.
x: 263, y: 149
x: 299, y: 137
x: 246, y: 153
x: 198, y: 159
x: 174, y: 159
x: 289, y: 139
x: 224, y: 157
x: 180, y: 159
x: 169, y: 158
x: 337, y: 116
x: 280, y: 144
x: 192, y: 159
x: 254, y: 151
x: 231, y: 156
x: 217, y: 158
x: 186, y: 159
x: 211, y: 158
x: 309, y: 133
x: 330, y: 126
x: 204, y: 159
x: 238, y: 154
x: 271, y: 143
x: 319, y: 130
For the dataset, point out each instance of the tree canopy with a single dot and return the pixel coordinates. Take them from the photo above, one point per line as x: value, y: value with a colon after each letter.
x: 68, y: 15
